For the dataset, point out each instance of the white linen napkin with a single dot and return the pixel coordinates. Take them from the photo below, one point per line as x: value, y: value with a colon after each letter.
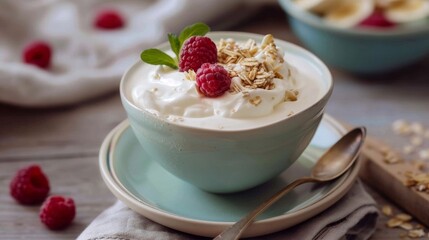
x: 88, y: 62
x: 352, y: 217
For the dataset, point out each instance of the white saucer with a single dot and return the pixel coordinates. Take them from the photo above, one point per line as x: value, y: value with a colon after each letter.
x: 148, y: 189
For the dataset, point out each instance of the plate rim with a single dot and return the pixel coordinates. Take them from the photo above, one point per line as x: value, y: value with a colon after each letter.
x: 212, y: 228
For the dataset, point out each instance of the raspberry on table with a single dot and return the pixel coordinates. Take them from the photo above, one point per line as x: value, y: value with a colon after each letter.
x: 37, y: 53
x: 212, y: 80
x: 30, y: 185
x: 57, y: 212
x: 196, y: 51
x: 109, y: 20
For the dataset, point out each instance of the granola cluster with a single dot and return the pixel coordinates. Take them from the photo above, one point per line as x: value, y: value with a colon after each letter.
x: 253, y: 66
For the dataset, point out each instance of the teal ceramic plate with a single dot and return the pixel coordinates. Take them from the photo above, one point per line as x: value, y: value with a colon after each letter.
x: 138, y: 181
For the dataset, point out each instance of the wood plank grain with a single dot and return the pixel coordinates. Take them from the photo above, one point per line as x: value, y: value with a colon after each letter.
x: 52, y: 133
x: 389, y: 180
x: 78, y: 178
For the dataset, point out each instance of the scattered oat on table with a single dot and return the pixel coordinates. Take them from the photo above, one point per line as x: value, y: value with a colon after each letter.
x: 416, y: 151
x: 416, y: 233
x: 417, y: 181
x: 387, y: 210
x: 416, y: 133
x: 403, y: 221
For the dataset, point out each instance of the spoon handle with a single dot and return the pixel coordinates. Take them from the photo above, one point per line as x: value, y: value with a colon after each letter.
x: 234, y: 232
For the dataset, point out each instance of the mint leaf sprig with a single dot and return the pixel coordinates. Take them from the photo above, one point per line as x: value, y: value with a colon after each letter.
x: 157, y: 57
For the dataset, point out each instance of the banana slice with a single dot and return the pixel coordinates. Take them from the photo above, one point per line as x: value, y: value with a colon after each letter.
x: 349, y: 13
x: 385, y: 3
x: 407, y: 10
x: 317, y: 6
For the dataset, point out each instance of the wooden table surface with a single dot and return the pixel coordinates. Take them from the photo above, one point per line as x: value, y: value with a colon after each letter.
x: 65, y: 141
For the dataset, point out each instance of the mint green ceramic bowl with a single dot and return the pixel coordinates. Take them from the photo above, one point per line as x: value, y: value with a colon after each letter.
x: 359, y: 50
x: 224, y: 161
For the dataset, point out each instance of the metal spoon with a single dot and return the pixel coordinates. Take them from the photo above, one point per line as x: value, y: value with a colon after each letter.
x: 334, y: 163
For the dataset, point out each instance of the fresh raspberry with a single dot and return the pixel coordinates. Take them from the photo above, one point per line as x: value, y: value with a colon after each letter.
x: 29, y: 186
x: 37, y: 53
x: 212, y: 80
x: 377, y: 19
x: 109, y: 19
x: 57, y: 212
x: 196, y: 51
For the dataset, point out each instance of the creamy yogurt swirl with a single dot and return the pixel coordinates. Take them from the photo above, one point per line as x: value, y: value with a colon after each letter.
x: 168, y: 93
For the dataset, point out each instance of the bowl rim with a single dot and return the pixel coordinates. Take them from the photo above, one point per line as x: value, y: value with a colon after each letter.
x: 316, y: 22
x: 321, y: 66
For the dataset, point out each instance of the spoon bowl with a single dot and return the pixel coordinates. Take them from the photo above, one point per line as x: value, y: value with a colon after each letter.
x: 331, y: 165
x: 340, y: 157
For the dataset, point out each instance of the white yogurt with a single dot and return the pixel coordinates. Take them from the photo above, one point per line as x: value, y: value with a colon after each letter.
x: 168, y: 94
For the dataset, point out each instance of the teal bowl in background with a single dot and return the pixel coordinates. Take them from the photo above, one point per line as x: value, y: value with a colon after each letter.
x: 359, y: 50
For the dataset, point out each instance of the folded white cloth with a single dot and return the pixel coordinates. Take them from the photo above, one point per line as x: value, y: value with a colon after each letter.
x: 88, y: 62
x: 352, y: 217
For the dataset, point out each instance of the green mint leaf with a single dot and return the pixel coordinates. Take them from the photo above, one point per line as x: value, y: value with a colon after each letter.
x: 197, y: 29
x: 157, y: 57
x: 174, y: 43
